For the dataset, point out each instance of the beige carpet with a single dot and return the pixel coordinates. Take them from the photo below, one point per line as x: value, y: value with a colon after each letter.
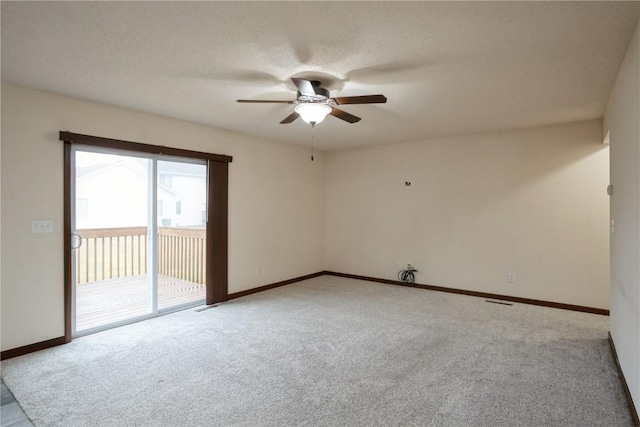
x: 332, y: 352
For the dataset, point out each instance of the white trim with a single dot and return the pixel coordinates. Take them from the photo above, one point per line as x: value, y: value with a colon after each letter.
x: 152, y: 235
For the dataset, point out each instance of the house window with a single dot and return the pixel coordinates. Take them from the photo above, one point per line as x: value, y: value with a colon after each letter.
x: 82, y: 208
x: 160, y: 208
x: 165, y: 179
x: 178, y: 207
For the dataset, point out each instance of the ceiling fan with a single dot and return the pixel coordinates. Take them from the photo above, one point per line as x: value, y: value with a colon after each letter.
x: 313, y: 103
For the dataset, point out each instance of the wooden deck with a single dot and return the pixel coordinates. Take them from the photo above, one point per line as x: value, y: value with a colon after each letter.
x: 108, y: 301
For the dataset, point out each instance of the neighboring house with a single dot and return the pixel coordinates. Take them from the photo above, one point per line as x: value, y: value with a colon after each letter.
x: 190, y: 182
x: 115, y: 195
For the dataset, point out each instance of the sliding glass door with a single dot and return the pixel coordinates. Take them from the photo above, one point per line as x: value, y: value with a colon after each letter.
x: 139, y: 235
x: 181, y: 232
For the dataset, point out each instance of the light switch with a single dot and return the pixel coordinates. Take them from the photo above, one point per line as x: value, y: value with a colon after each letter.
x: 42, y: 226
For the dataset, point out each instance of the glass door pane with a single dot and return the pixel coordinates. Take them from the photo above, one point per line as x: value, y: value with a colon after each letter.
x: 111, y: 216
x: 181, y: 210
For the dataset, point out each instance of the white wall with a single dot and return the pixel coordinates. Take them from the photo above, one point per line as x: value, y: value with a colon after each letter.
x: 276, y: 202
x: 622, y: 118
x: 532, y: 202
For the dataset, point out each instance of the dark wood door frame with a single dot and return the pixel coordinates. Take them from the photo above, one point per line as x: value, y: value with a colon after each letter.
x: 216, y: 281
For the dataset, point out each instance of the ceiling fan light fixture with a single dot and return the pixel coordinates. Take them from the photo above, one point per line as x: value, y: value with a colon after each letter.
x: 312, y: 112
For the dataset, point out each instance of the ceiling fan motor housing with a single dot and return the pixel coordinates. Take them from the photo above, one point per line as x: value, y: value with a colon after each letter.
x: 321, y: 94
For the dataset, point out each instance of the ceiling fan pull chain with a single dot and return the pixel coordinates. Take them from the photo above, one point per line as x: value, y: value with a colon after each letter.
x: 313, y: 127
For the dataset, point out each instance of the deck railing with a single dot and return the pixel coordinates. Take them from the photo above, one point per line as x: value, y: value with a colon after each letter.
x: 110, y: 253
x: 181, y: 253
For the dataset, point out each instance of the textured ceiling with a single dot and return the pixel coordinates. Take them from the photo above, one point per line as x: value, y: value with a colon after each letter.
x: 447, y: 68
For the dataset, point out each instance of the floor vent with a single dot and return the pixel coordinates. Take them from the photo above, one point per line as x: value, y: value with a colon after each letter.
x: 498, y: 302
x: 206, y: 307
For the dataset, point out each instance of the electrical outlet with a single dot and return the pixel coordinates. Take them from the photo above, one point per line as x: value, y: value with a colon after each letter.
x: 511, y: 277
x: 398, y: 265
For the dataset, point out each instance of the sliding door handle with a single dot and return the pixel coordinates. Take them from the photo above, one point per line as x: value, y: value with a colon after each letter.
x: 78, y: 240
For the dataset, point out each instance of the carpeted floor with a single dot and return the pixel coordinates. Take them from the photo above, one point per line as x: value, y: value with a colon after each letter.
x: 332, y: 352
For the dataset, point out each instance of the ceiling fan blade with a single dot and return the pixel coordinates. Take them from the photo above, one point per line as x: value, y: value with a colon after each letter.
x: 366, y: 99
x: 350, y: 118
x: 291, y: 117
x: 264, y: 101
x: 304, y: 86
